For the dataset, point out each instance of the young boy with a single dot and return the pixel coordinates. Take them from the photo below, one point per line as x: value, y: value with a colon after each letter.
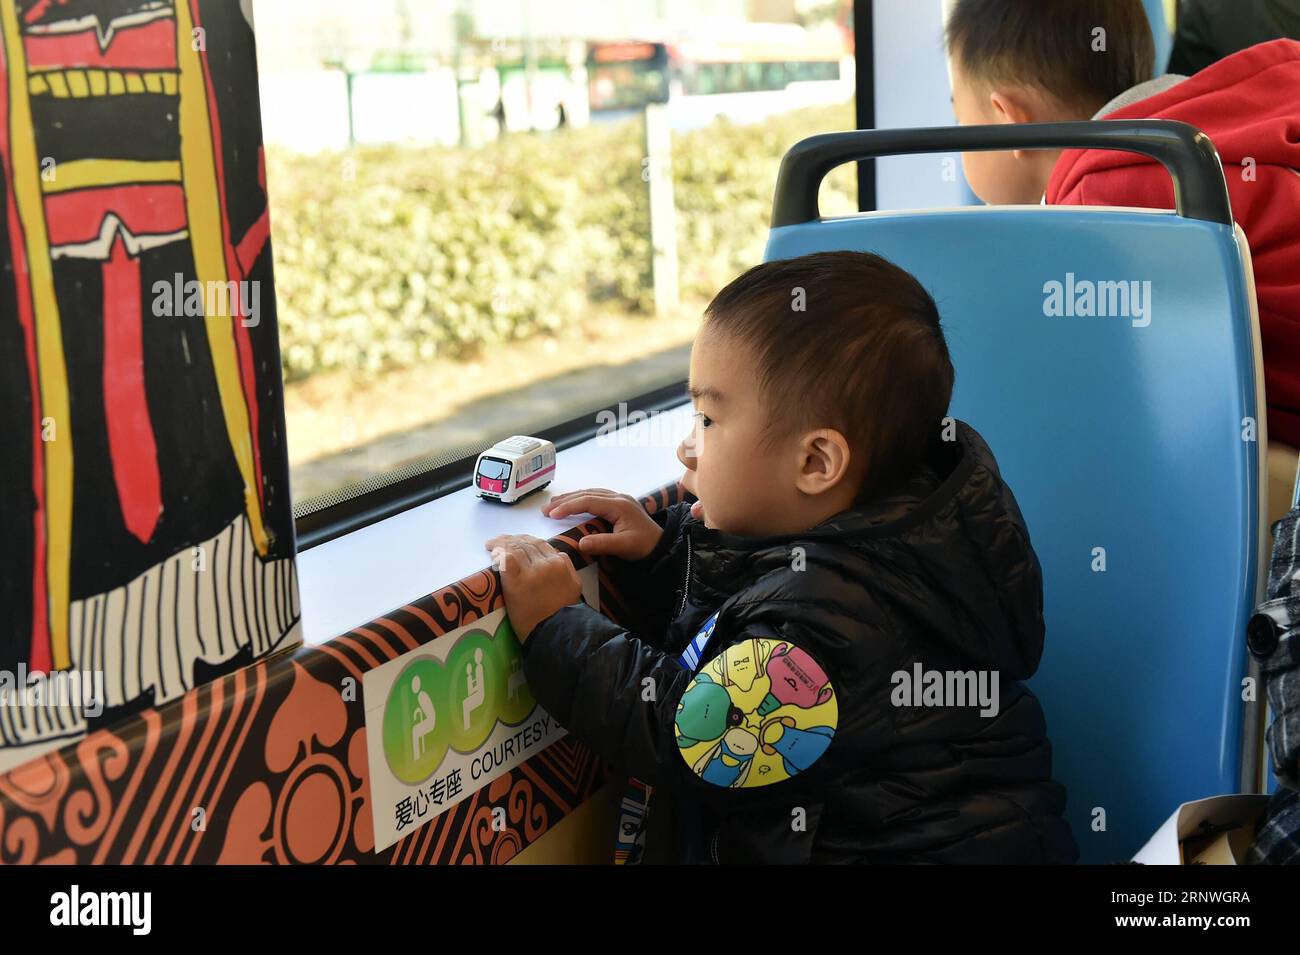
x: 826, y: 647
x: 1038, y: 61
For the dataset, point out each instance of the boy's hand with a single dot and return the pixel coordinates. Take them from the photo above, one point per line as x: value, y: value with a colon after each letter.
x: 537, y: 579
x: 635, y: 533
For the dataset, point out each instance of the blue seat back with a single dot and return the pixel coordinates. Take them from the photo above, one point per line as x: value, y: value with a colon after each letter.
x: 1164, y: 40
x: 1123, y: 440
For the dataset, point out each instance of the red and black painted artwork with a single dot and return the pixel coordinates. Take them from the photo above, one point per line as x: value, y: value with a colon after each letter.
x: 146, y: 532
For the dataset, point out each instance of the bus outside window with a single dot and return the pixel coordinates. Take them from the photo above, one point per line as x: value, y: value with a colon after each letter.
x: 627, y: 76
x: 763, y: 69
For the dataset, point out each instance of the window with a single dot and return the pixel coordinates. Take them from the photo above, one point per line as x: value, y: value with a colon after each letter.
x: 494, y: 470
x: 461, y: 216
x: 536, y: 463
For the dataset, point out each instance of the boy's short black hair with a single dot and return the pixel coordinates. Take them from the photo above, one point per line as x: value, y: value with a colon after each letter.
x: 1051, y: 45
x: 844, y: 340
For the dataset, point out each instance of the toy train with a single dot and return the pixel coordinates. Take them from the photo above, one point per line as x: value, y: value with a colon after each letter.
x: 514, y: 468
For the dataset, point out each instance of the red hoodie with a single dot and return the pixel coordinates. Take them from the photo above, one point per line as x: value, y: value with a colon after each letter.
x: 1249, y: 105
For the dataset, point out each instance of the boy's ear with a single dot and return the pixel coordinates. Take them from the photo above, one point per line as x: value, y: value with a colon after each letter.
x: 1010, y: 105
x: 824, y: 461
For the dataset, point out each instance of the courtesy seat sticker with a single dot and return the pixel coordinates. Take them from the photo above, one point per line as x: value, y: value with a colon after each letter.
x: 756, y: 714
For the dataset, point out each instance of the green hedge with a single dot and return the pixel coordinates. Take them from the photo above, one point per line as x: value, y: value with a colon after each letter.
x: 389, y: 255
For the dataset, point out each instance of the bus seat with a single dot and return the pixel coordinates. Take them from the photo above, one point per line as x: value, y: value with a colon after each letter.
x: 1164, y: 40
x: 1133, y: 445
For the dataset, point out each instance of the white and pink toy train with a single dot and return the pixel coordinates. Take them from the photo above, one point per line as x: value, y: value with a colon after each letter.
x: 514, y: 468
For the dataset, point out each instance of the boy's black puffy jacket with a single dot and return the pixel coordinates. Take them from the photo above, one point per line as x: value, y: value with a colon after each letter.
x: 942, y: 575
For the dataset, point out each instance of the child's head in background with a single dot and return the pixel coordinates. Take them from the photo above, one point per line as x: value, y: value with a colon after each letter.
x: 820, y: 383
x: 1039, y: 61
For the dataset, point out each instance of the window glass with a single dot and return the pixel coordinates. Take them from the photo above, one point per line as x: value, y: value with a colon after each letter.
x: 461, y: 208
x: 494, y: 469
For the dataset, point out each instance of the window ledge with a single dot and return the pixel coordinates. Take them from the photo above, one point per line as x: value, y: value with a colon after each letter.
x: 351, y: 580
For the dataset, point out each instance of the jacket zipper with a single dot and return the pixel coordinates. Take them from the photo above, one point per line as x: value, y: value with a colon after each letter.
x: 686, y: 587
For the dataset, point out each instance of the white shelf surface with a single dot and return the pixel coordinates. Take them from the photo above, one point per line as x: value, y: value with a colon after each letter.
x: 353, y: 579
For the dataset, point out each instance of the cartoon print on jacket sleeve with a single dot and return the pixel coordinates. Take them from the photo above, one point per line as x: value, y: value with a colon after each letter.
x: 758, y: 713
x: 705, y: 712
x: 727, y: 763
x: 796, y: 678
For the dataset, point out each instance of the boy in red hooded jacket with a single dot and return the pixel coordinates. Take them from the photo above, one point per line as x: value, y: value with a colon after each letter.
x: 1036, y: 61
